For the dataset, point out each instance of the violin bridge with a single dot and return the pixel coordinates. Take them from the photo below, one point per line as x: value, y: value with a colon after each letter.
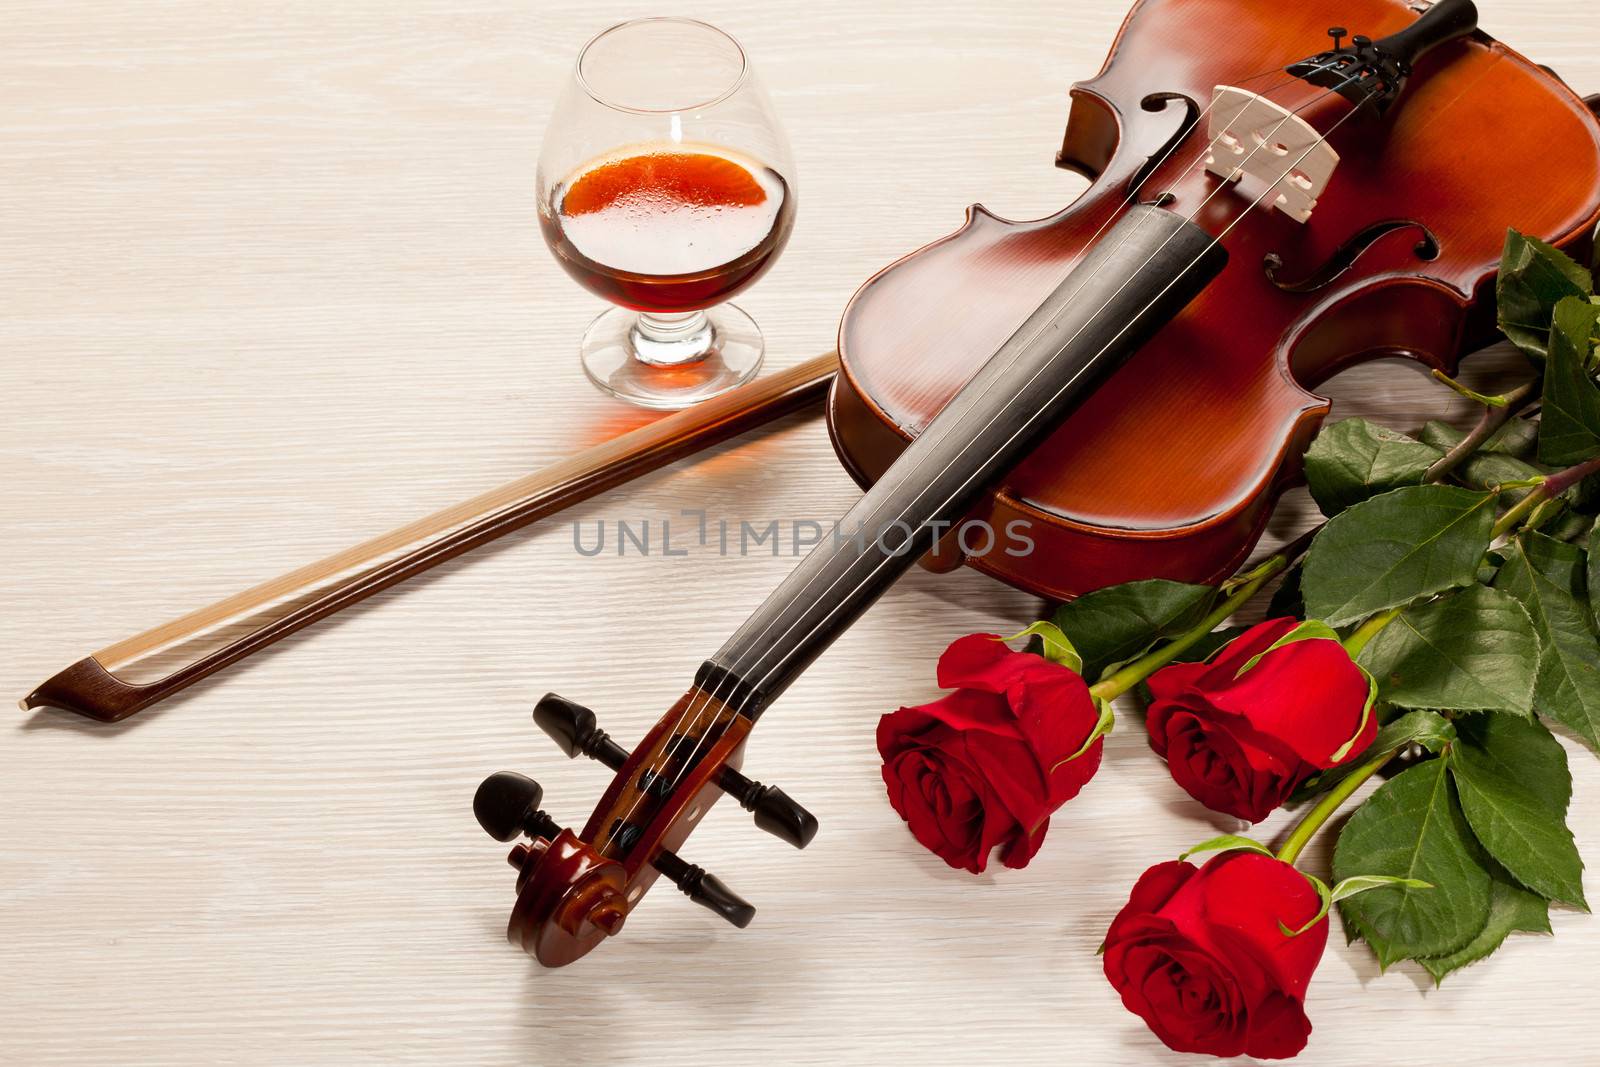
x: 1251, y: 135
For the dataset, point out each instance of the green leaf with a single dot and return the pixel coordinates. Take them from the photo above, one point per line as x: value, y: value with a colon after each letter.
x: 1394, y: 548
x: 1569, y: 428
x: 1518, y: 438
x: 1592, y: 573
x: 1534, y: 277
x: 1056, y: 647
x: 1426, y: 728
x: 1354, y: 459
x: 1520, y: 830
x: 1517, y: 749
x: 1511, y: 908
x: 1562, y: 564
x: 1412, y: 827
x: 1228, y: 843
x: 1114, y: 624
x: 1472, y: 650
x: 1514, y: 792
x: 1568, y: 686
x: 1572, y: 527
x: 1350, y: 887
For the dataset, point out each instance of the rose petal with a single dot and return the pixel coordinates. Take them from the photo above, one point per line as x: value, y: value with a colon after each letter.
x: 1279, y: 1029
x: 1248, y: 895
x: 982, y: 662
x: 1150, y: 893
x: 1054, y: 711
x: 1214, y: 767
x: 1308, y: 695
x: 1254, y: 641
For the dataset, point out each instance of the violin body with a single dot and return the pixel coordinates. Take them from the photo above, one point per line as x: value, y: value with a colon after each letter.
x: 1131, y: 378
x: 1171, y: 468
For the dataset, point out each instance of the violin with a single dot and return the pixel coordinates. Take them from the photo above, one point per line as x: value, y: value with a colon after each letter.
x: 1130, y: 378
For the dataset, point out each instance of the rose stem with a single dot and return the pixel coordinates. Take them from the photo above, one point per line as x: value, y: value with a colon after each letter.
x: 1475, y: 397
x: 1247, y: 586
x: 1307, y: 827
x: 1368, y: 630
x: 1547, y: 489
x: 1488, y: 425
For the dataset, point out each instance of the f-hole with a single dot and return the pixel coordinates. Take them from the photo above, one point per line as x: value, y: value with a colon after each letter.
x: 1154, y: 104
x: 1347, y: 255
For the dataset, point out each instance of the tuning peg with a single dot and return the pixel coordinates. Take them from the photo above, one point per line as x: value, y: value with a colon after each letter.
x: 705, y: 889
x: 775, y: 811
x: 574, y: 728
x: 507, y: 804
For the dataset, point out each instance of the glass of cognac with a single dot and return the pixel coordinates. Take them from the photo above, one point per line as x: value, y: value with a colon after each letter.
x: 666, y: 186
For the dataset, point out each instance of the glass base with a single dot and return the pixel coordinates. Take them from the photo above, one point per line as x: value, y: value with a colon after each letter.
x: 671, y: 362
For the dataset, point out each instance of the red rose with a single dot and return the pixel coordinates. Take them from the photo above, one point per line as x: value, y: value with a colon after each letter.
x: 986, y: 765
x: 1199, y: 955
x: 1240, y: 738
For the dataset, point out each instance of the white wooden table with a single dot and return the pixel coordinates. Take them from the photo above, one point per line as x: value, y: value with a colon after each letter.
x: 271, y: 282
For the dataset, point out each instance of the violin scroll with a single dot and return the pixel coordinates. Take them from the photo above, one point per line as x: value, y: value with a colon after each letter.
x: 575, y: 890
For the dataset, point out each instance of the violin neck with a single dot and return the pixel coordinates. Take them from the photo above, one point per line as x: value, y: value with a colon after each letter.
x: 1144, y: 271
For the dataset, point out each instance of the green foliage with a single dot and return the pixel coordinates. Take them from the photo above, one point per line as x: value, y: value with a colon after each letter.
x: 1394, y: 549
x: 1471, y: 650
x: 1517, y: 749
x: 1477, y: 632
x: 1428, y: 729
x: 1534, y: 277
x: 1518, y: 438
x: 1518, y: 827
x: 1354, y: 459
x: 1511, y: 909
x: 1592, y: 570
x: 1547, y: 577
x: 1503, y: 823
x: 1502, y: 460
x: 1111, y: 625
x: 1413, y: 828
x: 1569, y: 430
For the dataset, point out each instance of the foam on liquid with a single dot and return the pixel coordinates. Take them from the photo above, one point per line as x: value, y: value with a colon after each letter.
x: 641, y: 210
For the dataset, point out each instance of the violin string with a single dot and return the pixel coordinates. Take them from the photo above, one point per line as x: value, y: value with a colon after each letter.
x: 1111, y: 216
x: 1031, y: 418
x: 691, y: 713
x: 1150, y: 172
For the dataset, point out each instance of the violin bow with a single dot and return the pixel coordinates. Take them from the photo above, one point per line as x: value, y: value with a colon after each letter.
x: 270, y: 611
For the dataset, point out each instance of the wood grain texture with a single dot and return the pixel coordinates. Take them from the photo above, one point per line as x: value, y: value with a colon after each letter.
x: 271, y: 283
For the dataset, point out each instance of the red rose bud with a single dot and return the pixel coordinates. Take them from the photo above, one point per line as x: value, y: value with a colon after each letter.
x: 986, y: 765
x: 1202, y: 956
x: 1272, y: 708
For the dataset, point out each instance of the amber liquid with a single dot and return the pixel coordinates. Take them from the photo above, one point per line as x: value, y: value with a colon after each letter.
x: 673, y: 229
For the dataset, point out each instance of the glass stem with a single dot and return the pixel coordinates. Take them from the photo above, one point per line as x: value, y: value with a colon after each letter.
x: 665, y: 339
